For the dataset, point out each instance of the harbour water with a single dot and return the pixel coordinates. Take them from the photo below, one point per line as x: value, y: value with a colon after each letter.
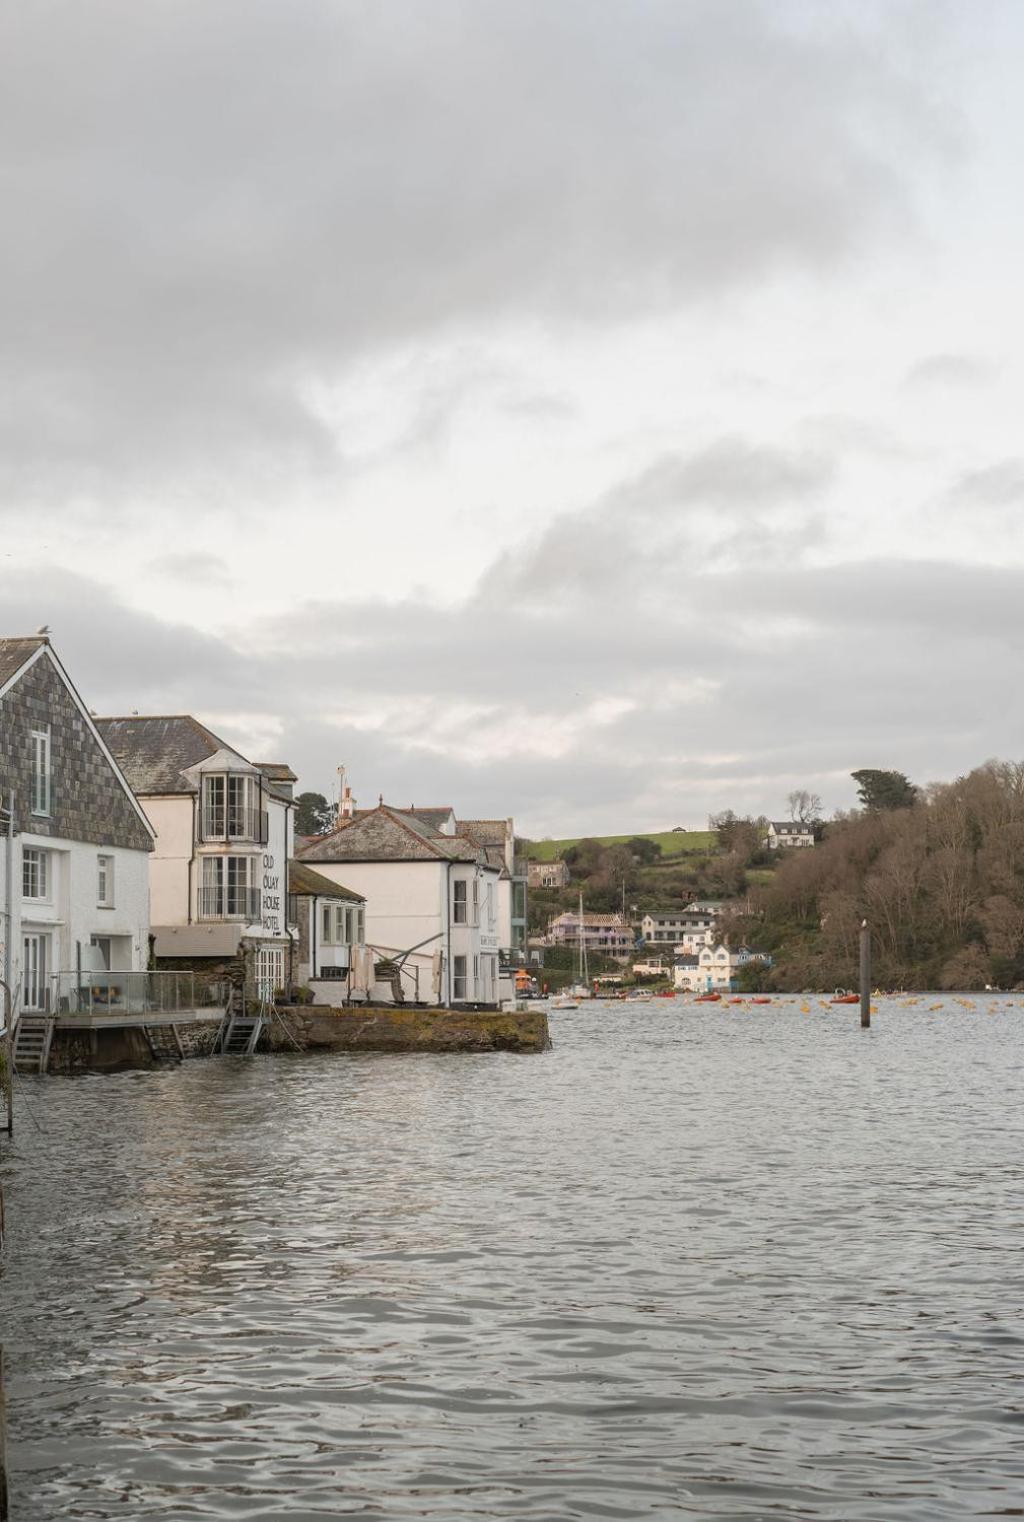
x: 719, y: 1261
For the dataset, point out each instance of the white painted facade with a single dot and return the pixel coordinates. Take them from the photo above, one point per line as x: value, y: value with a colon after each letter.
x: 417, y: 904
x: 716, y: 966
x: 64, y: 928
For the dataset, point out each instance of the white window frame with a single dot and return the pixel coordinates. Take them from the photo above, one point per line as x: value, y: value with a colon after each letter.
x: 104, y: 881
x: 476, y: 901
x: 41, y: 771
x: 35, y: 965
x: 460, y: 902
x: 39, y: 859
x: 458, y: 978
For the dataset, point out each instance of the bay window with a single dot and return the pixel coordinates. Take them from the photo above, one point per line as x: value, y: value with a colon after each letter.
x: 229, y: 888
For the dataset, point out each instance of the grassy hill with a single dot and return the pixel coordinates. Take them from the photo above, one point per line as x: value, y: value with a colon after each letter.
x: 672, y: 843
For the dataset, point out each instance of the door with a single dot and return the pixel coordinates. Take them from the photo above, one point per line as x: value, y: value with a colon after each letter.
x: 34, y: 968
x: 269, y: 971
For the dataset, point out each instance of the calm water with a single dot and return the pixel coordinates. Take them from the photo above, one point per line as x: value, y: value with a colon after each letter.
x: 720, y: 1262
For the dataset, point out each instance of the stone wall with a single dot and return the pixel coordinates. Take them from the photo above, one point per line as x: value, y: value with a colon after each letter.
x: 110, y: 1049
x: 87, y: 801
x: 394, y: 1029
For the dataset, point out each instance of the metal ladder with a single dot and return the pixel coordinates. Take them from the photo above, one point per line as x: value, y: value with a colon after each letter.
x: 164, y: 1042
x: 33, y: 1037
x: 240, y: 1030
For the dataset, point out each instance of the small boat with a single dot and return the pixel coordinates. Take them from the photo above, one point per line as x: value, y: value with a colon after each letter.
x: 760, y: 1001
x: 564, y: 1004
x: 666, y: 993
x: 845, y: 999
x: 708, y: 999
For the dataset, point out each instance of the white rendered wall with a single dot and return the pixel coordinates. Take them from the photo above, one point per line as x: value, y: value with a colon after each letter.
x: 173, y: 821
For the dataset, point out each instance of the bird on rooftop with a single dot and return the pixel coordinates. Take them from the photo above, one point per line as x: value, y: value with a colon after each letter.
x: 45, y: 629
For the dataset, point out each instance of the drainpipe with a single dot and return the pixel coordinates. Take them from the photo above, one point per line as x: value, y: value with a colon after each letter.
x: 448, y: 936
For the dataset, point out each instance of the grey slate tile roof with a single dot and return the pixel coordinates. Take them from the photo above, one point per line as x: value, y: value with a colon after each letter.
x: 305, y: 881
x: 14, y: 652
x: 154, y: 753
x: 386, y: 834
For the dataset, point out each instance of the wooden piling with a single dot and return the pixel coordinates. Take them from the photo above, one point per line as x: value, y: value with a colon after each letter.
x: 865, y: 975
x: 3, y: 1444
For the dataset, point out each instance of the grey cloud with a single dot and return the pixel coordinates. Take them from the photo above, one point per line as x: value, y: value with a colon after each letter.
x: 991, y: 486
x: 954, y: 370
x: 212, y: 204
x: 188, y: 566
x: 724, y: 689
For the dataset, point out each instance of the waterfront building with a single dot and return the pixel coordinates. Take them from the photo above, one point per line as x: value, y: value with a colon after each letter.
x: 434, y: 900
x: 224, y: 829
x: 608, y: 934
x: 713, y: 967
x: 548, y: 874
x: 686, y: 928
x: 330, y: 920
x: 74, y: 860
x: 786, y: 835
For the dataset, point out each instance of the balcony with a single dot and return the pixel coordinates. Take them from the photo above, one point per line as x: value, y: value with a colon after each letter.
x: 138, y: 998
x: 221, y: 902
x: 241, y: 824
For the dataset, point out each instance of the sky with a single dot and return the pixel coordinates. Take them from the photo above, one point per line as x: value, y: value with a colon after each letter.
x: 598, y: 413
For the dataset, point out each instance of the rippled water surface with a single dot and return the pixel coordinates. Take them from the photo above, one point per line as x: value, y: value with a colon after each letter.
x: 725, y: 1262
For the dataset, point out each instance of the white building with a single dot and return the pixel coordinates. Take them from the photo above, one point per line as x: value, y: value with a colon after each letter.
x: 712, y: 968
x: 219, y: 870
x: 434, y: 901
x: 788, y: 835
x: 330, y: 919
x: 74, y: 857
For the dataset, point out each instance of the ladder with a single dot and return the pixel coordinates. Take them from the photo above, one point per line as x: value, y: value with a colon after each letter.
x: 239, y: 1035
x: 164, y: 1042
x: 33, y: 1037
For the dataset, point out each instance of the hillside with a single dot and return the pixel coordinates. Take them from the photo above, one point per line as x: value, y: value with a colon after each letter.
x: 670, y: 843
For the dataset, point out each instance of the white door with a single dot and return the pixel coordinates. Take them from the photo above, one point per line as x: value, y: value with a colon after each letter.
x: 269, y: 971
x: 34, y: 960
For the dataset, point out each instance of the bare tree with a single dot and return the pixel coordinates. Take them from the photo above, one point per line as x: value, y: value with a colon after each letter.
x: 804, y: 807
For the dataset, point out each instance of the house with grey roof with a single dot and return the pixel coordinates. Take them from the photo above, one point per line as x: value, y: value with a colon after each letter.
x: 789, y: 834
x: 432, y: 889
x: 330, y: 920
x: 74, y: 858
x: 224, y: 837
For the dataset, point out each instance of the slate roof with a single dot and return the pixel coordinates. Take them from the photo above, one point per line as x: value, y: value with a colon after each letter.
x: 304, y: 881
x: 486, y: 832
x: 387, y: 834
x: 277, y: 771
x: 154, y: 753
x: 788, y: 827
x: 15, y: 652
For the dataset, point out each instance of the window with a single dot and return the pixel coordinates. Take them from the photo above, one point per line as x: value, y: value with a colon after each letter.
x: 459, y: 914
x: 228, y: 889
x: 490, y: 906
x: 231, y: 808
x: 476, y: 902
x: 105, y: 882
x: 459, y: 975
x: 341, y: 924
x: 41, y: 771
x: 476, y: 975
x: 35, y: 874
x: 269, y: 971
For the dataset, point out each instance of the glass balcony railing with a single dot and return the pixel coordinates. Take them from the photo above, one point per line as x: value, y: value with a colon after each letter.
x: 131, y: 994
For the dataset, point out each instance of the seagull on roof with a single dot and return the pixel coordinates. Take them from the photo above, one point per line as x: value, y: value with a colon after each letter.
x: 44, y: 629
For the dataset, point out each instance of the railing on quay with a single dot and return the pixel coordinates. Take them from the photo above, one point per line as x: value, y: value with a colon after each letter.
x: 129, y: 994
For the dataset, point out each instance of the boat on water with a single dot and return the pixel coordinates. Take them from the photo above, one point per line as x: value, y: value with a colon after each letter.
x: 639, y: 996
x: 564, y: 1003
x: 708, y: 999
x: 844, y: 998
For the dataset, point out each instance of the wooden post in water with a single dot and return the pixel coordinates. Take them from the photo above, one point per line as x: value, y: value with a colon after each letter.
x: 865, y: 975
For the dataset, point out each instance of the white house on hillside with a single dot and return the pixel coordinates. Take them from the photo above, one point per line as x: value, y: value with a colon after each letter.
x: 74, y: 860
x: 786, y: 834
x: 433, y: 898
x: 219, y: 870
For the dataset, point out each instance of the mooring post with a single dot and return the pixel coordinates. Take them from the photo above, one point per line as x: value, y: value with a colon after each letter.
x: 865, y: 975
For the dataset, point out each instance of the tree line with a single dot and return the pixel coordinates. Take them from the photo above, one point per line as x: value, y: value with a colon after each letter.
x: 937, y: 872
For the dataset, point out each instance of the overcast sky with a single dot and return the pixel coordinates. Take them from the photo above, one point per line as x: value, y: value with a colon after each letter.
x: 602, y: 413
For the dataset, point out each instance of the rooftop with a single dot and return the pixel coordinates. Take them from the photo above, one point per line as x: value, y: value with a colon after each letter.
x: 15, y: 651
x: 304, y: 880
x: 154, y: 752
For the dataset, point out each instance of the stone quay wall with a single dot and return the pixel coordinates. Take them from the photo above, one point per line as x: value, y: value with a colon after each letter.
x: 394, y: 1028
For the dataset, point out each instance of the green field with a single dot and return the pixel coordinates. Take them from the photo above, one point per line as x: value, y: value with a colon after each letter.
x: 672, y: 843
